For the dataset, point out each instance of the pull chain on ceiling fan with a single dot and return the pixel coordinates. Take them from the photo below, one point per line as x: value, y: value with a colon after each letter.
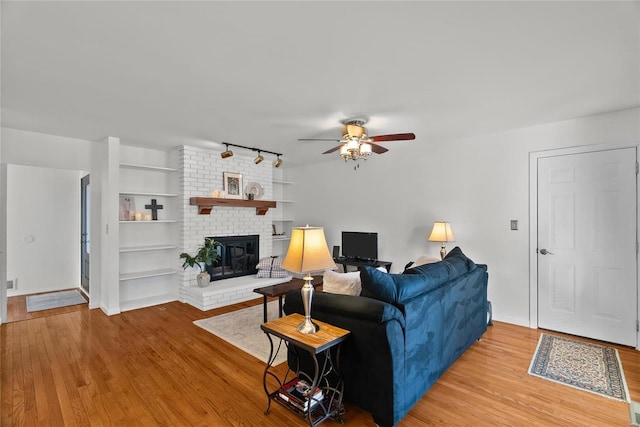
x: 355, y: 144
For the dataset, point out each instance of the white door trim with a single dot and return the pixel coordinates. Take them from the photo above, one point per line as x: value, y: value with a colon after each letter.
x: 533, y: 222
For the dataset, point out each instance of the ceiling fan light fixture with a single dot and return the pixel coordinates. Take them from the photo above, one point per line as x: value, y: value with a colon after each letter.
x: 365, y: 149
x: 352, y: 145
x: 353, y: 130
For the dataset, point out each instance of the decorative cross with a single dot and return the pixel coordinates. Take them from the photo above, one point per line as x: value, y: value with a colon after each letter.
x: 154, y: 206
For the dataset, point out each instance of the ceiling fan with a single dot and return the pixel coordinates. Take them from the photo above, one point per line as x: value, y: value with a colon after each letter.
x: 355, y: 144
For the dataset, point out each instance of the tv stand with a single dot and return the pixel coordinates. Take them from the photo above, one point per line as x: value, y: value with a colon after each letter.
x: 360, y: 262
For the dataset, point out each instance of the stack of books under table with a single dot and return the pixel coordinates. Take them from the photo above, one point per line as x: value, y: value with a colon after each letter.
x: 297, y: 393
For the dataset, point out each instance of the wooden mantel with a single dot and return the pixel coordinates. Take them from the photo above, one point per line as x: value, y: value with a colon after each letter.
x: 205, y: 204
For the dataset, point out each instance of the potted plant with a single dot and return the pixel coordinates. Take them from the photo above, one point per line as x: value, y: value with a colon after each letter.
x: 203, y: 258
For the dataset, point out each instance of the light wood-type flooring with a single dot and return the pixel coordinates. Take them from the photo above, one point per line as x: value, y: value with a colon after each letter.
x: 153, y: 367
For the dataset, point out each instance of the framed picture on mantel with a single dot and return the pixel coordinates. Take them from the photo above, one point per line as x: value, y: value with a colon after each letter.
x: 232, y: 185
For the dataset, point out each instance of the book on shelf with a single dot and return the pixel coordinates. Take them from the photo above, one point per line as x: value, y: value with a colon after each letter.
x: 297, y: 392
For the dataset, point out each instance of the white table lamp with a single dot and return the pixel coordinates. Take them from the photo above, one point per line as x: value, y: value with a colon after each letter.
x: 442, y: 233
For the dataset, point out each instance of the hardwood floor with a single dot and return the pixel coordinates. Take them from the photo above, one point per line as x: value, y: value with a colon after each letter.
x: 153, y: 367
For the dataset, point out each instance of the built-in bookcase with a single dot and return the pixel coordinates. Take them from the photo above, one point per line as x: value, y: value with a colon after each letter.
x: 148, y: 248
x: 283, y: 215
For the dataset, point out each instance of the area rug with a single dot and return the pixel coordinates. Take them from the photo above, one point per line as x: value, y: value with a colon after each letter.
x: 54, y: 300
x: 241, y: 328
x: 585, y: 366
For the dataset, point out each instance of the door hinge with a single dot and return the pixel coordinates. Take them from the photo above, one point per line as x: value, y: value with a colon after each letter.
x: 637, y: 168
x: 637, y: 326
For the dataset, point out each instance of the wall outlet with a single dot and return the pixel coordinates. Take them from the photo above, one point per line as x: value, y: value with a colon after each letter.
x: 514, y: 224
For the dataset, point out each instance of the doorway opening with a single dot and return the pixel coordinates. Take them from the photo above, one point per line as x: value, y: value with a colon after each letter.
x: 44, y: 236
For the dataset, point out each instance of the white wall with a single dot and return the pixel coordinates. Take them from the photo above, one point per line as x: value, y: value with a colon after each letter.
x: 478, y: 184
x: 43, y: 228
x: 50, y: 151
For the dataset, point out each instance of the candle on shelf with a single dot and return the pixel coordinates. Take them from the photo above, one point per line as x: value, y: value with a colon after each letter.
x: 138, y: 216
x: 147, y: 217
x: 215, y: 193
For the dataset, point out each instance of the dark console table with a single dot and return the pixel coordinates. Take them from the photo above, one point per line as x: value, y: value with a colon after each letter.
x: 362, y: 263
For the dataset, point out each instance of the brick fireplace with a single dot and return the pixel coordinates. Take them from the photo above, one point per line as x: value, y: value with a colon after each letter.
x: 200, y: 173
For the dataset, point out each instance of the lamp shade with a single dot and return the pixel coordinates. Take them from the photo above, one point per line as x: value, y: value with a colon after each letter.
x: 441, y: 232
x: 308, y: 251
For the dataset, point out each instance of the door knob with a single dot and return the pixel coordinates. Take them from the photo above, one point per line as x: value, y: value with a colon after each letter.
x: 545, y: 252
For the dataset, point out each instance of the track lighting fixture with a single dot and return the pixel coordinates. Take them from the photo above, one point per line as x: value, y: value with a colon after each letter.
x: 228, y: 153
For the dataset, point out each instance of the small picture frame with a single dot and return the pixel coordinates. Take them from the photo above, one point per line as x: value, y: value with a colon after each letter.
x: 233, y: 185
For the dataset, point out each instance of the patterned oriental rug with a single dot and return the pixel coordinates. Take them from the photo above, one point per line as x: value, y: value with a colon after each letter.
x: 581, y: 365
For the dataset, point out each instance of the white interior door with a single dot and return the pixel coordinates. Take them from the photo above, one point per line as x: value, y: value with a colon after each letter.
x: 587, y: 245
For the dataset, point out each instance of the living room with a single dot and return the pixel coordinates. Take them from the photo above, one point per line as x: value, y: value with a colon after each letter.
x: 470, y: 167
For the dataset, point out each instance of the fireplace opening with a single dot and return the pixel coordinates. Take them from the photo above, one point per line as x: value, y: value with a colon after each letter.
x: 238, y: 256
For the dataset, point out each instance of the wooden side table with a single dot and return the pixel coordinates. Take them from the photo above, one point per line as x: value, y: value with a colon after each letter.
x: 327, y: 337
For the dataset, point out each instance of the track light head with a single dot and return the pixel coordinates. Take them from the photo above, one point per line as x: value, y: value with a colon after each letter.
x: 258, y: 159
x: 227, y: 153
x: 278, y: 162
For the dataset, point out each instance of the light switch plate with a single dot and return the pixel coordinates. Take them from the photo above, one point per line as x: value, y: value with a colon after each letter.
x: 514, y: 224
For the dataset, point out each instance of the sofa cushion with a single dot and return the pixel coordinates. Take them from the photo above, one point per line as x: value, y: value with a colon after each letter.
x: 453, y: 265
x: 394, y: 288
x: 399, y: 288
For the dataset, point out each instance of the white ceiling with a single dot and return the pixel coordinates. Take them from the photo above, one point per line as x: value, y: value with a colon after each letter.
x: 266, y: 73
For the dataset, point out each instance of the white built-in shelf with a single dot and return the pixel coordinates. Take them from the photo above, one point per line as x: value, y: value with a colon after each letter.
x: 137, y: 193
x: 150, y: 273
x: 280, y: 238
x: 147, y: 302
x: 147, y: 248
x: 277, y: 181
x: 147, y: 167
x: 148, y: 222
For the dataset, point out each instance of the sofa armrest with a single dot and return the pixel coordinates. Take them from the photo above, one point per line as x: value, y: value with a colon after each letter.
x: 345, y: 305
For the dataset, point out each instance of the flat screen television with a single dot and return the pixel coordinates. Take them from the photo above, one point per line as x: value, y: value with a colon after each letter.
x: 359, y: 245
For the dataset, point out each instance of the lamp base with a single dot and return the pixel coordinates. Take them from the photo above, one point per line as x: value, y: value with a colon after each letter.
x: 443, y: 252
x: 307, y: 327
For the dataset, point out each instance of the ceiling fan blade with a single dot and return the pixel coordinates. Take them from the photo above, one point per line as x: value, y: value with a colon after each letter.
x: 318, y: 139
x: 394, y: 137
x: 378, y: 149
x: 335, y: 149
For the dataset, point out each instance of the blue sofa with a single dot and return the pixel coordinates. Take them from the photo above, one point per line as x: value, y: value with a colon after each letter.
x: 406, y: 330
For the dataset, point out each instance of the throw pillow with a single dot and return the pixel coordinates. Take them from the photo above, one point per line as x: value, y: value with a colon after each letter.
x: 269, y: 262
x: 271, y: 267
x: 424, y: 259
x: 272, y: 272
x: 341, y: 283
